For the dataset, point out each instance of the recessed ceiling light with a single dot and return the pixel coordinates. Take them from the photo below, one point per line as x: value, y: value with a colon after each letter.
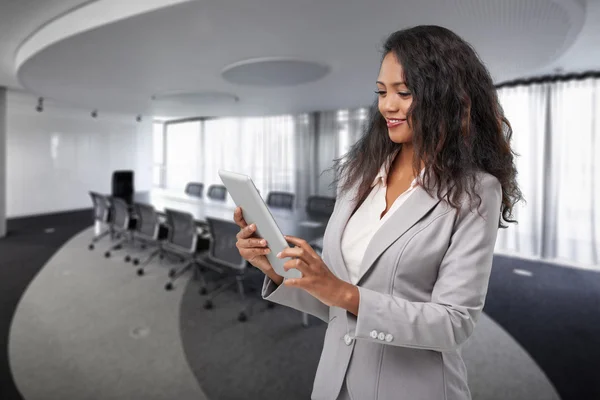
x: 522, y: 272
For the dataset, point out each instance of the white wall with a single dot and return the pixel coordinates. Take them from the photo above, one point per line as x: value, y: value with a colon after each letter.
x: 55, y: 157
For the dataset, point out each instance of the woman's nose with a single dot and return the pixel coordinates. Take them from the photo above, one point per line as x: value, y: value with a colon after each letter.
x: 389, y: 104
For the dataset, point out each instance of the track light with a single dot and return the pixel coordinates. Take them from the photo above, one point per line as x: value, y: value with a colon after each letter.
x: 94, y: 114
x: 40, y: 105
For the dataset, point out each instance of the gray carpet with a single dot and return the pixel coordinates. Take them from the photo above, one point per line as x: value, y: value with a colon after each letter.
x: 89, y: 328
x: 273, y: 357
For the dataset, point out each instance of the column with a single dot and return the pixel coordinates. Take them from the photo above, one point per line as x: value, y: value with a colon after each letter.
x: 2, y: 162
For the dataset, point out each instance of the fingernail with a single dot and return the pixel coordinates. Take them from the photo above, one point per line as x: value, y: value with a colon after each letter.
x: 263, y: 242
x: 279, y: 255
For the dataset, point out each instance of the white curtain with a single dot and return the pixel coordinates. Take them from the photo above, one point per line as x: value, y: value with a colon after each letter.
x: 262, y: 148
x: 337, y: 132
x: 555, y: 131
x: 183, y: 161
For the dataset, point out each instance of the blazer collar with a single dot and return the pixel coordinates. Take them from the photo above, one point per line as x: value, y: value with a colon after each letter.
x: 408, y: 214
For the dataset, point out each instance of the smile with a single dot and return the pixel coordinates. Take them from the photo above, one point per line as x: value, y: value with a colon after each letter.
x: 395, y: 122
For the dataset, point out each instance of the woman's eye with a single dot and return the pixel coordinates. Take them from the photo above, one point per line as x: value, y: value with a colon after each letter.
x: 404, y: 94
x: 380, y: 92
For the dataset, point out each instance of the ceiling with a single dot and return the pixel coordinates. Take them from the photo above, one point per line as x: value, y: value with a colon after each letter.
x: 178, y: 60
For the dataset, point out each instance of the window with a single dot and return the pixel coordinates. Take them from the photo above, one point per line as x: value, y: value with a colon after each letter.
x: 158, y: 145
x: 260, y: 147
x: 183, y: 154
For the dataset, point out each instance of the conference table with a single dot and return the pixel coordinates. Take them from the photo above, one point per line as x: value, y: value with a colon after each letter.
x: 296, y: 222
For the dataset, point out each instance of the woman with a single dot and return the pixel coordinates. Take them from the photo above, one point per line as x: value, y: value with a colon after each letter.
x: 407, y: 252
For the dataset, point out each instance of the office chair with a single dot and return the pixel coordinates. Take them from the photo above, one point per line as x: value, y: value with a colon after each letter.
x: 222, y: 252
x: 281, y: 200
x: 217, y: 192
x: 320, y: 206
x: 103, y: 214
x: 194, y: 189
x: 185, y: 240
x: 150, y: 231
x: 122, y: 224
x: 122, y: 185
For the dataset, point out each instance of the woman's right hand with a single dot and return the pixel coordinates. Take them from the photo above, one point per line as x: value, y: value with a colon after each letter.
x: 251, y: 248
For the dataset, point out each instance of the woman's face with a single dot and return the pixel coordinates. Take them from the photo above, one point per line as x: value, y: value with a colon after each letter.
x: 394, y: 99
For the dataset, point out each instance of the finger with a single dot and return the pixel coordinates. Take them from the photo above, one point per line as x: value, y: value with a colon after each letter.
x: 246, y: 232
x: 296, y: 252
x: 238, y: 217
x: 249, y: 254
x: 294, y: 282
x: 303, y: 244
x: 298, y: 264
x: 251, y: 243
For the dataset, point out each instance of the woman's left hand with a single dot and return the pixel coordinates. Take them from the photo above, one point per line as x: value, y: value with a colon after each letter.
x: 316, y: 279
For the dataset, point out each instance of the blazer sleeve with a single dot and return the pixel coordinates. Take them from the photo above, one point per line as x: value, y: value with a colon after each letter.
x: 459, y: 292
x: 294, y: 298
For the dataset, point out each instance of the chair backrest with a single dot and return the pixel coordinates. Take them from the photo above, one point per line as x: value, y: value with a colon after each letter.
x: 320, y: 205
x: 148, y: 223
x: 217, y: 192
x: 222, y: 248
x: 121, y: 214
x: 123, y: 185
x: 194, y: 189
x: 182, y: 232
x: 102, y: 209
x: 281, y: 200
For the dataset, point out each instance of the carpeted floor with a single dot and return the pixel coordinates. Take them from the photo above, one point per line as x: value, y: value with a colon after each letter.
x: 30, y: 242
x: 554, y: 315
x: 272, y: 356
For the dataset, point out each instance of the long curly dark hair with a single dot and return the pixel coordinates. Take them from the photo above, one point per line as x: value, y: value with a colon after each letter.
x: 459, y: 127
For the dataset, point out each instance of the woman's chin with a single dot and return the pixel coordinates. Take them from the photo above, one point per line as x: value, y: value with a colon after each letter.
x: 399, y: 137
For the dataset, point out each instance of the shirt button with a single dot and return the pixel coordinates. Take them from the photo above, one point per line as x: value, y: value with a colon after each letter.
x: 374, y: 334
x: 389, y: 338
x: 381, y: 336
x: 347, y: 339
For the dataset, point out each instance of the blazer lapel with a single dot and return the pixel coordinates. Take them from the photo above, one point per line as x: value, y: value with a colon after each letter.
x: 418, y: 204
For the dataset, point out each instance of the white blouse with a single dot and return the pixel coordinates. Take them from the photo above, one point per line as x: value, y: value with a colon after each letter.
x: 366, y: 221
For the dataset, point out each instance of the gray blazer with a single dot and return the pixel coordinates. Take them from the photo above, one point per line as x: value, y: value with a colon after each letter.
x: 424, y: 279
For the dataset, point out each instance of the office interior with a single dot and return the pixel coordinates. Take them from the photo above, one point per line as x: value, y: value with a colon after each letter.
x: 148, y: 100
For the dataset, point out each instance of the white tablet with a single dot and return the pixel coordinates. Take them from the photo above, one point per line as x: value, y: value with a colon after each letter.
x: 255, y: 211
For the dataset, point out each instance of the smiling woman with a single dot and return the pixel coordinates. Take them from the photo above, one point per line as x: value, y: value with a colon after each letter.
x: 406, y: 261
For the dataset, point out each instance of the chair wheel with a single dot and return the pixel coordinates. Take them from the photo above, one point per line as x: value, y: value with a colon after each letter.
x: 91, y: 247
x: 136, y: 261
x: 107, y: 254
x: 127, y: 258
x: 169, y: 286
x: 203, y: 291
x: 140, y: 272
x: 119, y: 247
x: 242, y: 317
x: 208, y: 305
x: 172, y: 273
x: 270, y: 305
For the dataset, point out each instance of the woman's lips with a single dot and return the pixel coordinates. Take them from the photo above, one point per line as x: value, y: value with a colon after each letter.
x: 391, y: 123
